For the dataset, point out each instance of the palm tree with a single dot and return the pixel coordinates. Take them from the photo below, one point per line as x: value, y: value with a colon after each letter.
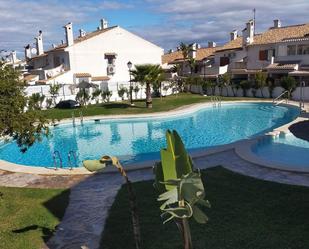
x: 147, y: 74
x: 185, y: 49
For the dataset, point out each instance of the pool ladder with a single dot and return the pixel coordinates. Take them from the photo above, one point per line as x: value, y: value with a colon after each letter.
x: 55, y: 155
x: 72, y: 155
x: 81, y: 118
x: 216, y: 101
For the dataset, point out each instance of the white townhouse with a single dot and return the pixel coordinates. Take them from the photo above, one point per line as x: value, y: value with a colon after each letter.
x: 281, y: 51
x: 203, y: 56
x: 99, y: 57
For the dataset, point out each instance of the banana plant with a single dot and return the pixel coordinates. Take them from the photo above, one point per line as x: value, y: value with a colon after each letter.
x: 182, y: 190
x: 105, y: 162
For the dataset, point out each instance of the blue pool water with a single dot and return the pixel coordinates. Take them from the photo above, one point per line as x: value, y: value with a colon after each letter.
x: 135, y: 140
x: 284, y: 150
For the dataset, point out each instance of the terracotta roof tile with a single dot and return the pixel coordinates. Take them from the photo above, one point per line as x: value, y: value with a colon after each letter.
x: 275, y: 35
x: 231, y: 45
x: 77, y: 40
x: 30, y: 77
x: 82, y: 75
x: 100, y: 78
x: 201, y: 54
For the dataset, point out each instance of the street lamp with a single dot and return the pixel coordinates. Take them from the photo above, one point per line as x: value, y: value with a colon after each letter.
x: 204, y: 67
x: 129, y: 64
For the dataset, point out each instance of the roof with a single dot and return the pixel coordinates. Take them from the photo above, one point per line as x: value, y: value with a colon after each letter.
x: 61, y: 47
x: 283, y: 66
x: 232, y: 45
x: 30, y: 77
x: 100, y: 78
x: 82, y: 75
x: 201, y: 53
x: 274, y: 35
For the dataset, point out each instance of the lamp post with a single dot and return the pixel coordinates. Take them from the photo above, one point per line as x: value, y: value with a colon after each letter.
x: 129, y: 64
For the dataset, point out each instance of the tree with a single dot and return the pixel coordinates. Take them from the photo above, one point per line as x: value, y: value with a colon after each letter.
x: 121, y: 91
x: 49, y: 103
x: 106, y: 94
x: 24, y: 126
x: 95, y: 95
x: 260, y: 80
x: 35, y: 101
x: 147, y: 74
x: 245, y: 85
x: 136, y: 90
x: 54, y: 92
x: 225, y: 80
x: 289, y: 84
x: 82, y: 97
x: 185, y: 49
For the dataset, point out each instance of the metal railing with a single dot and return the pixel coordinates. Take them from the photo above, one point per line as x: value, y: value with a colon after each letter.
x: 72, y: 155
x: 73, y: 119
x: 216, y: 101
x: 81, y: 117
x: 278, y: 100
x: 55, y: 155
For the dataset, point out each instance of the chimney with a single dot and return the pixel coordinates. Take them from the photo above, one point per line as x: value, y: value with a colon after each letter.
x: 39, y: 44
x: 82, y: 33
x: 170, y: 51
x: 27, y: 52
x: 193, y: 51
x: 69, y: 34
x: 13, y: 56
x: 62, y: 42
x: 198, y: 46
x: 248, y: 33
x: 212, y: 44
x: 277, y: 23
x: 104, y: 24
x: 54, y: 45
x: 234, y: 35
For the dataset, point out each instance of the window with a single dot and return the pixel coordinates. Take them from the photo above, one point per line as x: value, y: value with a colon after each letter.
x: 291, y: 49
x: 263, y: 55
x: 232, y: 55
x: 303, y: 49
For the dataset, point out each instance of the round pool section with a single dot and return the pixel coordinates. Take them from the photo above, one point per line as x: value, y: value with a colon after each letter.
x: 140, y: 139
x: 284, y: 151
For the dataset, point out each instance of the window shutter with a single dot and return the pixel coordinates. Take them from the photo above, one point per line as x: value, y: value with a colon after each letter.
x: 224, y: 61
x: 263, y: 55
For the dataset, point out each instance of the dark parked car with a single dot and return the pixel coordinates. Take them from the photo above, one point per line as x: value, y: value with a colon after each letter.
x: 67, y: 104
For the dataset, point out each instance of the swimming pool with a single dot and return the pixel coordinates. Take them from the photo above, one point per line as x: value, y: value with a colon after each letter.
x: 140, y: 139
x: 285, y: 151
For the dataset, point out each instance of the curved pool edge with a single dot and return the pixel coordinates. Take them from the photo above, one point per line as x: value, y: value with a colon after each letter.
x: 19, y: 168
x: 244, y: 151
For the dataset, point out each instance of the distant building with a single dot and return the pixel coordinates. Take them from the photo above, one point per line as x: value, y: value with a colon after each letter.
x: 98, y: 57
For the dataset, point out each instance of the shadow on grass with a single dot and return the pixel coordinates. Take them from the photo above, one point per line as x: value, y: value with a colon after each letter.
x: 120, y: 106
x: 56, y: 206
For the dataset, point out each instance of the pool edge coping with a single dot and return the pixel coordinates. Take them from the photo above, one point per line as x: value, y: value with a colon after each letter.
x: 25, y: 169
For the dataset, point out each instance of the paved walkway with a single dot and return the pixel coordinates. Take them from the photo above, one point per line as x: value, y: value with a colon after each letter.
x: 91, y: 197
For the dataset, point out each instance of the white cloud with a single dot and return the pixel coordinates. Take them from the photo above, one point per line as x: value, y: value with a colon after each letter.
x: 201, y: 21
x: 21, y: 20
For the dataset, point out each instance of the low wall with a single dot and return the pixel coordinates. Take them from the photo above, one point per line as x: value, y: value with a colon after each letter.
x: 260, y: 93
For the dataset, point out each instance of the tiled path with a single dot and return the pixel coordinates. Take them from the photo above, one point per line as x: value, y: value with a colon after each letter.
x: 92, y: 196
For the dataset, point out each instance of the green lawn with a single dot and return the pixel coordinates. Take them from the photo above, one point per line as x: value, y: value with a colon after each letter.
x: 164, y: 104
x: 28, y: 216
x: 246, y: 214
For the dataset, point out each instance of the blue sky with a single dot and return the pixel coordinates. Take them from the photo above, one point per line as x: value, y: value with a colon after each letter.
x: 166, y: 23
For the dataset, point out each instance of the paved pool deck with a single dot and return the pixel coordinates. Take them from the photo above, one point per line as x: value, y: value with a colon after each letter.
x: 82, y: 226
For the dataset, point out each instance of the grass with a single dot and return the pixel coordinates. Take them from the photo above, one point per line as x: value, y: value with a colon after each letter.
x: 28, y: 216
x: 246, y: 213
x: 114, y: 108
